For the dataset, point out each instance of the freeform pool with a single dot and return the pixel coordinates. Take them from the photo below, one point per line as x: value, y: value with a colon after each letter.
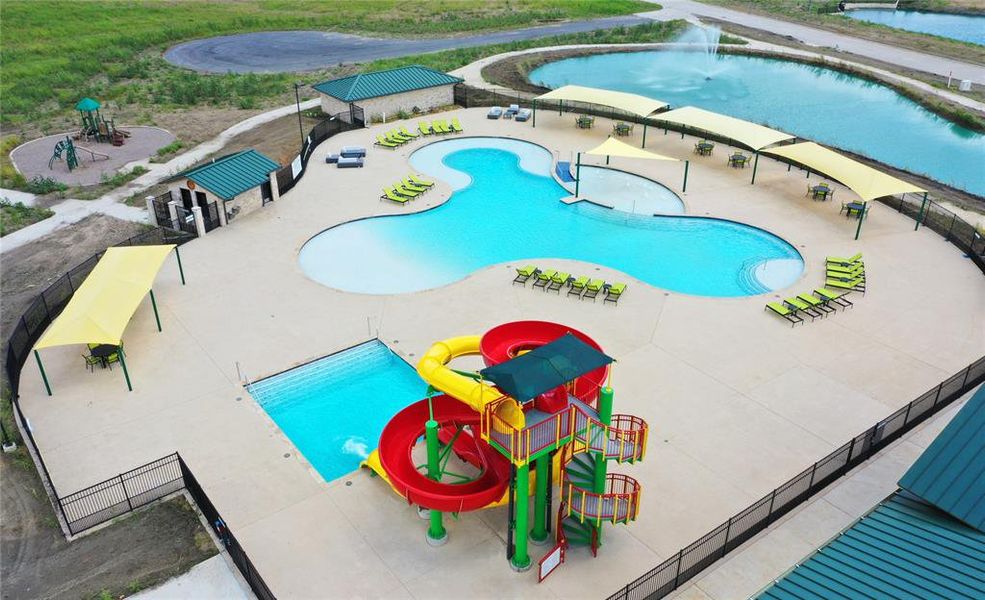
x: 506, y: 207
x: 967, y: 28
x: 334, y: 409
x: 812, y: 102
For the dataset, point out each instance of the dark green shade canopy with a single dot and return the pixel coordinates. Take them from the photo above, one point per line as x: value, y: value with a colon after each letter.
x: 545, y: 368
x: 88, y: 104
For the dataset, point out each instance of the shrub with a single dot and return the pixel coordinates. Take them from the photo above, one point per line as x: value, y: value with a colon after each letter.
x: 45, y: 185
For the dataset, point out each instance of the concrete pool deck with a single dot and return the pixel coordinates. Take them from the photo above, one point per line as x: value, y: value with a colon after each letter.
x: 738, y: 401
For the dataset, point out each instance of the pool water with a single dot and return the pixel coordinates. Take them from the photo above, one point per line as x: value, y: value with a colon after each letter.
x: 812, y: 102
x: 626, y: 192
x: 334, y: 409
x: 967, y: 28
x: 506, y: 213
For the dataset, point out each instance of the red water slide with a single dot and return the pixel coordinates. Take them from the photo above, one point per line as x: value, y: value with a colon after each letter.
x: 401, y: 434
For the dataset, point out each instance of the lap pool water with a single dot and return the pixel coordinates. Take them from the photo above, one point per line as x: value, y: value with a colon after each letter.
x: 813, y: 102
x: 967, y: 28
x: 334, y: 409
x: 506, y: 207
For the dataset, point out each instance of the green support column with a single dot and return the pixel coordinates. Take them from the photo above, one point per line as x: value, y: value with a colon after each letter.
x: 181, y: 271
x: 606, y: 159
x: 543, y: 467
x: 923, y: 206
x: 643, y: 145
x: 577, y: 174
x: 153, y: 304
x: 755, y: 165
x: 123, y: 363
x: 560, y: 107
x: 861, y: 216
x: 535, y: 113
x: 436, y: 535
x: 687, y: 165
x: 605, y: 416
x: 521, y: 559
x: 44, y: 377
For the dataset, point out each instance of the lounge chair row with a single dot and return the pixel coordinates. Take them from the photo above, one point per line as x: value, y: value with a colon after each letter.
x: 440, y: 126
x: 845, y: 273
x: 582, y: 287
x: 395, y: 137
x: 407, y: 189
x: 821, y: 303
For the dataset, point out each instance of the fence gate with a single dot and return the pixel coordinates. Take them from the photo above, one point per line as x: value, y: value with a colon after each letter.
x: 185, y: 221
x: 210, y: 216
x: 161, y: 212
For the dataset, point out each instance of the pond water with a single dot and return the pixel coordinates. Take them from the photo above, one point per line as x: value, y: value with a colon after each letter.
x: 967, y: 28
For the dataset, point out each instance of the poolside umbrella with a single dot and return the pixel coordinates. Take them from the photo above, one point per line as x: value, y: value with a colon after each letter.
x: 613, y: 147
x: 545, y: 368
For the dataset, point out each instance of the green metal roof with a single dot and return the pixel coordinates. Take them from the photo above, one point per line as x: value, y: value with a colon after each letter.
x: 231, y: 175
x: 950, y: 474
x: 902, y: 549
x: 384, y: 83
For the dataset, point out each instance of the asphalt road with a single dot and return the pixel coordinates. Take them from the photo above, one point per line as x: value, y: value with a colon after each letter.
x: 286, y: 51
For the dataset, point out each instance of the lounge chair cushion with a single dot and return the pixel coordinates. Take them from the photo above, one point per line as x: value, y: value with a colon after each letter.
x: 352, y: 151
x: 350, y: 163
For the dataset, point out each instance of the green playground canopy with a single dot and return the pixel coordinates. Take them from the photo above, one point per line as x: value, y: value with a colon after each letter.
x: 545, y: 368
x: 87, y: 104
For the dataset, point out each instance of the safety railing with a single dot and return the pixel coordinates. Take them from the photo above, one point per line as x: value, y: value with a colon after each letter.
x: 619, y: 503
x: 623, y: 440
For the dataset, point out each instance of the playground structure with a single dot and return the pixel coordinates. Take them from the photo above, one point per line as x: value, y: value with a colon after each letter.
x: 539, y: 415
x: 68, y: 148
x: 96, y: 127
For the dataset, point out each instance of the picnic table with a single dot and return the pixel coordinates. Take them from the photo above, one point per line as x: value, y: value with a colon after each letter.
x: 820, y: 192
x: 853, y: 208
x: 703, y: 148
x: 622, y: 129
x: 738, y: 160
x: 585, y: 122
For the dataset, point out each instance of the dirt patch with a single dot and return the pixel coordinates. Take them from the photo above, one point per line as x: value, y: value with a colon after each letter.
x: 279, y: 139
x: 136, y: 552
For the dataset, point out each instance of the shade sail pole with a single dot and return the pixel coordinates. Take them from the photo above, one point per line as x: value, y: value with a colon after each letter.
x: 181, y: 271
x: 643, y: 145
x: 153, y: 304
x: 923, y: 206
x: 577, y: 174
x: 755, y: 165
x: 44, y: 377
x: 861, y: 216
x: 535, y: 112
x: 123, y: 363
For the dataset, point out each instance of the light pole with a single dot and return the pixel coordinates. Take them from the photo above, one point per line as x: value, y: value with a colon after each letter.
x: 297, y: 99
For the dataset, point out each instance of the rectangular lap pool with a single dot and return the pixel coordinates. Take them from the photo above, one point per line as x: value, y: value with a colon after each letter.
x: 333, y: 409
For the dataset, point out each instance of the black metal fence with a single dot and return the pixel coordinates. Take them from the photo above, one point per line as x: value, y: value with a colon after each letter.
x: 670, y: 574
x: 343, y: 121
x: 948, y: 224
x: 157, y: 479
x: 210, y: 217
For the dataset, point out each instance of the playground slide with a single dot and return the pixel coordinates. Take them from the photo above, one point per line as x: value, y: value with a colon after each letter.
x: 94, y: 153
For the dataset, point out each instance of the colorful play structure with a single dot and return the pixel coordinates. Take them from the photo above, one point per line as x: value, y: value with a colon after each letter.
x: 68, y: 148
x: 96, y: 127
x: 539, y: 415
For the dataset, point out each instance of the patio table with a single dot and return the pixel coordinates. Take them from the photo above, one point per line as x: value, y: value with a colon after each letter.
x: 103, y: 352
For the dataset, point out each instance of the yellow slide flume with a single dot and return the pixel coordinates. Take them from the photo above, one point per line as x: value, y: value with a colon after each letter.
x: 433, y: 368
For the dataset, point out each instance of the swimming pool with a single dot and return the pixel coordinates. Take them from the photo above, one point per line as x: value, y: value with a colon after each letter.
x: 626, y: 192
x: 334, y: 409
x: 506, y: 207
x: 967, y: 28
x: 813, y: 102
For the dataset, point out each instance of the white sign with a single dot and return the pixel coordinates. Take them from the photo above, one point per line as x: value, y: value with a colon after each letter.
x: 551, y: 561
x: 295, y: 167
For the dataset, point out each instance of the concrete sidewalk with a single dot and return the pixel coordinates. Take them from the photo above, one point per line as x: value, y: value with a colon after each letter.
x: 928, y: 63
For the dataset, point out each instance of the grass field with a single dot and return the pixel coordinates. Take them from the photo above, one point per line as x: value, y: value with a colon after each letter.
x: 819, y: 13
x: 55, y: 52
x: 14, y: 216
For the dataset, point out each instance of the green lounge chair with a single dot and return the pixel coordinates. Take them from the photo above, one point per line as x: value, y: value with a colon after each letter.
x: 456, y: 126
x: 385, y: 143
x: 815, y: 302
x: 578, y: 286
x: 558, y: 282
x: 614, y: 293
x: 856, y: 285
x: 783, y: 311
x: 834, y: 297
x: 405, y: 133
x: 803, y: 307
x: 592, y: 289
x: 405, y: 192
x: 412, y: 187
x: 544, y: 278
x: 396, y: 136
x: 424, y: 128
x: 420, y: 181
x: 390, y: 194
x: 525, y: 273
x: 839, y: 267
x: 845, y: 261
x: 858, y: 274
x: 440, y: 126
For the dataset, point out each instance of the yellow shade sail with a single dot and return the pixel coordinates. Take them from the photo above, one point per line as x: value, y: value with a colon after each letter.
x: 632, y: 103
x: 103, y: 305
x: 862, y: 179
x: 614, y: 147
x: 749, y: 134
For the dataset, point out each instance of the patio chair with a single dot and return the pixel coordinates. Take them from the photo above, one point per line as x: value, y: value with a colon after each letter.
x: 420, y: 181
x: 456, y: 126
x: 112, y: 358
x: 390, y: 194
x: 577, y: 286
x: 815, y: 302
x: 544, y: 278
x: 783, y: 311
x: 525, y: 273
x: 834, y: 297
x: 92, y: 361
x: 558, y: 282
x: 385, y: 143
x: 844, y: 261
x: 592, y: 289
x: 614, y: 293
x: 803, y: 307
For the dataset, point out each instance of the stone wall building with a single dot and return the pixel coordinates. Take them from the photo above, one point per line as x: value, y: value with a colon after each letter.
x: 383, y: 94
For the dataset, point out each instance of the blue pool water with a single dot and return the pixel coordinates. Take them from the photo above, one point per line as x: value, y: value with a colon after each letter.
x: 502, y: 211
x: 813, y: 102
x: 967, y: 28
x: 334, y: 409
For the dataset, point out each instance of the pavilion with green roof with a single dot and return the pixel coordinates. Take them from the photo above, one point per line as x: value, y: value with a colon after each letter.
x: 411, y: 89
